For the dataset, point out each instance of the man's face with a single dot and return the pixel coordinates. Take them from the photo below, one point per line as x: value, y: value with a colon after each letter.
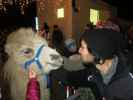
x: 85, y: 54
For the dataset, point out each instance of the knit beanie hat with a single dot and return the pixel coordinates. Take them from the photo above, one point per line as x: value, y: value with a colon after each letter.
x: 103, y: 43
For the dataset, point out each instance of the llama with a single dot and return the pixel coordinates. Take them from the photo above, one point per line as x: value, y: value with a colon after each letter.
x: 26, y: 49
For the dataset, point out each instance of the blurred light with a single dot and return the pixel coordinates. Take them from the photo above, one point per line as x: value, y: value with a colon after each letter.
x: 60, y: 13
x: 21, y: 4
x: 37, y: 23
x: 94, y: 16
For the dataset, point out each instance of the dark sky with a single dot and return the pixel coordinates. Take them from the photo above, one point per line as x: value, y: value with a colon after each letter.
x: 124, y: 8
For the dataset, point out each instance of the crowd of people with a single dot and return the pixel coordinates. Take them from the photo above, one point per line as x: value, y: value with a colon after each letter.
x: 104, y: 52
x: 106, y: 55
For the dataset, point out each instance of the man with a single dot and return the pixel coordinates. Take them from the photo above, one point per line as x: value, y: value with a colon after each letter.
x: 106, y: 73
x: 102, y: 48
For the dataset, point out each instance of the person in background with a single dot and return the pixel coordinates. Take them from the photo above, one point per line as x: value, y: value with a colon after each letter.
x: 106, y: 71
x: 57, y: 39
x: 108, y: 24
x: 88, y: 27
x: 44, y: 32
x: 70, y: 47
x: 129, y: 53
x: 130, y: 36
x: 46, y: 28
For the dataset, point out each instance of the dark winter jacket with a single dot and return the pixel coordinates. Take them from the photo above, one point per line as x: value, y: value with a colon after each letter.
x: 119, y: 88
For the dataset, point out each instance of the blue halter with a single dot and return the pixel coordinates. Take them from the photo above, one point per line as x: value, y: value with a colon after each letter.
x: 36, y: 59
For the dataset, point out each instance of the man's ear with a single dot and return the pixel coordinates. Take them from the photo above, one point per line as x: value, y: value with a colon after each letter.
x: 101, y: 61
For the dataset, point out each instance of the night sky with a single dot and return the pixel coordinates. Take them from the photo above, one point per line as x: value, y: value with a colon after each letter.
x: 124, y: 8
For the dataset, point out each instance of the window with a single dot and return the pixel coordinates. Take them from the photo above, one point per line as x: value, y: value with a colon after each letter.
x: 94, y: 16
x: 60, y: 13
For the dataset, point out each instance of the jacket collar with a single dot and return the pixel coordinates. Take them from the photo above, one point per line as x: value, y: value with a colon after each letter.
x: 121, y: 70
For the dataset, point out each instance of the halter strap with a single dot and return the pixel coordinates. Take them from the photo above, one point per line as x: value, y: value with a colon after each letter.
x: 35, y: 59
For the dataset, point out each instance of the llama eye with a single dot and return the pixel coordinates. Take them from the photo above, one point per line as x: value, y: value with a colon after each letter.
x: 27, y: 51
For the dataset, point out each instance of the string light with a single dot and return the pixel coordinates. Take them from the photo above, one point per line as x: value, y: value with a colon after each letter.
x: 3, y: 5
x: 21, y: 4
x: 41, y: 5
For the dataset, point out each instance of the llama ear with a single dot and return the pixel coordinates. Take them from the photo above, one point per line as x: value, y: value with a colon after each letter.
x: 8, y: 49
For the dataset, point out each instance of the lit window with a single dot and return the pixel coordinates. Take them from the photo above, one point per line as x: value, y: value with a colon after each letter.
x: 94, y: 16
x: 60, y: 13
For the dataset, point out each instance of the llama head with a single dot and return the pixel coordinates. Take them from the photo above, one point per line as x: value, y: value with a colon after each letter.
x: 28, y: 49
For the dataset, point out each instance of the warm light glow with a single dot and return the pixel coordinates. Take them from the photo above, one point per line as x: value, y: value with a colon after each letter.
x: 37, y: 23
x: 94, y: 16
x: 60, y: 13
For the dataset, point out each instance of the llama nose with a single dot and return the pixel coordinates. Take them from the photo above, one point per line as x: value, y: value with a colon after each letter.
x: 55, y: 57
